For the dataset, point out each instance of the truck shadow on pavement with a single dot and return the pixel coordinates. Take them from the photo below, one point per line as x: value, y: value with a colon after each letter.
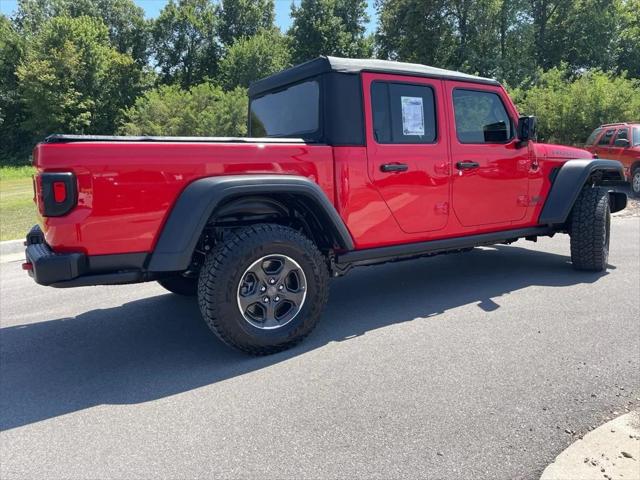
x: 159, y: 346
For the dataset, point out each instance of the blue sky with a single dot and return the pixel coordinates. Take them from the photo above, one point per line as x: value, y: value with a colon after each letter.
x: 153, y: 7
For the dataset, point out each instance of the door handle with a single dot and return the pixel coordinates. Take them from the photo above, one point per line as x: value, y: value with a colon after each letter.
x: 467, y: 165
x: 394, y: 167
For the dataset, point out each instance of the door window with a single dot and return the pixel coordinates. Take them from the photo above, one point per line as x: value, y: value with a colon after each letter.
x: 481, y: 117
x: 623, y: 133
x: 606, y: 138
x: 403, y: 113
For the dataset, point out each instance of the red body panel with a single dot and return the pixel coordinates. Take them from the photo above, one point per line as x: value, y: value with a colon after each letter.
x: 126, y: 189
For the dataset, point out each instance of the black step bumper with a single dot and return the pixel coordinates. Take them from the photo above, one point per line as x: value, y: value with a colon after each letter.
x: 77, y: 269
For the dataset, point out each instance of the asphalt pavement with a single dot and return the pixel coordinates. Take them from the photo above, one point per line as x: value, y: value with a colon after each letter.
x: 479, y: 365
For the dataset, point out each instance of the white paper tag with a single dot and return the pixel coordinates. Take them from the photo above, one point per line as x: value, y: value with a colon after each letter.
x: 412, y: 116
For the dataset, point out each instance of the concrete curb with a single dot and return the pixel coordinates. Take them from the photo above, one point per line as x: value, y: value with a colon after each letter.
x: 611, y: 451
x: 11, y: 251
x: 10, y: 247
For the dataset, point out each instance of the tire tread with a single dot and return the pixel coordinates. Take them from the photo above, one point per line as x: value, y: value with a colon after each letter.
x: 223, y: 255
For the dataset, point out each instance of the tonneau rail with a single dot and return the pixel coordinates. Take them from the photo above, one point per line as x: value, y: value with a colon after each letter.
x: 60, y: 138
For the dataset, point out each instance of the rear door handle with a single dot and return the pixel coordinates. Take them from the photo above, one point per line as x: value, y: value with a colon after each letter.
x: 467, y: 165
x: 394, y: 167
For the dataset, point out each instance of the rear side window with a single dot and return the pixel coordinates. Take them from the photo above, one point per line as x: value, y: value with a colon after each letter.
x: 606, y: 138
x: 481, y: 117
x: 636, y: 135
x: 292, y: 112
x: 592, y: 138
x: 403, y: 113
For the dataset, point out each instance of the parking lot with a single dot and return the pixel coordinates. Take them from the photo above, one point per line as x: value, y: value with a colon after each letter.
x: 478, y: 365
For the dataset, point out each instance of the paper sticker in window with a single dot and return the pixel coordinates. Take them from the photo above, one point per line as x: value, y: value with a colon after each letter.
x: 412, y: 116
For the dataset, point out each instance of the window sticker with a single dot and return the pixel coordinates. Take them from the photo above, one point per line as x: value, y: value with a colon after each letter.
x: 412, y: 116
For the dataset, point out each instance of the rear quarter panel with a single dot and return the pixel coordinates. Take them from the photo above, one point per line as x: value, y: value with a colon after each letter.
x: 126, y: 189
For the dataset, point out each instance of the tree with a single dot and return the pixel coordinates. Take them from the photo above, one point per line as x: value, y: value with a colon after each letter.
x: 250, y: 59
x: 71, y: 79
x: 329, y: 27
x: 11, y: 114
x: 627, y: 52
x: 582, y: 33
x: 419, y: 31
x: 244, y: 18
x: 569, y: 107
x: 128, y: 29
x: 203, y: 110
x: 185, y: 41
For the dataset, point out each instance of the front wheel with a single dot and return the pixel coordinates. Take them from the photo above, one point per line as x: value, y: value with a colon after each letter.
x: 635, y: 182
x: 263, y: 288
x: 591, y: 230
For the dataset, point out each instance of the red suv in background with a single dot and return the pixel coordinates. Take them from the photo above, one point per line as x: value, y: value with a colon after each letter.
x: 619, y: 141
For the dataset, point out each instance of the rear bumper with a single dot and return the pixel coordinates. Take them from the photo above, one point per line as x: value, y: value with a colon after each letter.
x: 77, y: 269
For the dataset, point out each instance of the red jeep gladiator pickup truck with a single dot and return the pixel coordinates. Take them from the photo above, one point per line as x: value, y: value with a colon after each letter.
x: 351, y: 162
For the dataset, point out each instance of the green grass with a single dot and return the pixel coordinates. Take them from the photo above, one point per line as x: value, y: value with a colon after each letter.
x: 17, y: 210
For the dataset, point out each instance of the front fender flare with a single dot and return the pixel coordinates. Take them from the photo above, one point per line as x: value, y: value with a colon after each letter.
x: 567, y: 185
x: 198, y: 201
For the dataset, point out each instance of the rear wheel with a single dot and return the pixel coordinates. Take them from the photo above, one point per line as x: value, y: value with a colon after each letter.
x: 263, y: 288
x: 187, y: 286
x: 591, y: 230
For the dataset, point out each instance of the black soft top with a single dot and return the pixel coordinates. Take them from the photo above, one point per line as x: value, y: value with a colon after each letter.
x: 355, y: 66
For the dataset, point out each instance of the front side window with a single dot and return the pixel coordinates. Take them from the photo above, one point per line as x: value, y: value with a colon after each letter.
x: 606, y: 138
x: 403, y: 113
x: 292, y: 112
x: 592, y: 138
x: 481, y: 117
x: 623, y: 133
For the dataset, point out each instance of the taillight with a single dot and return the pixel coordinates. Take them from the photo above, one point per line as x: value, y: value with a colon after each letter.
x: 58, y: 193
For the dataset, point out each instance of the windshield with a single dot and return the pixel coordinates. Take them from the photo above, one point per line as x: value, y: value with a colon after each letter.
x: 288, y: 113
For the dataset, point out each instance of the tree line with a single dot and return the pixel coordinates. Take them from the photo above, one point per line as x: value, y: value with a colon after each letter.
x: 101, y: 67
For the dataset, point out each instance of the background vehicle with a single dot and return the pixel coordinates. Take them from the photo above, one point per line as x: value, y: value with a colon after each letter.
x: 389, y: 161
x: 619, y: 141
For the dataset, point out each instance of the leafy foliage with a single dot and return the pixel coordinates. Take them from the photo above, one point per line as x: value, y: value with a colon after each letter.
x: 252, y: 58
x: 98, y: 66
x: 11, y: 115
x: 203, y: 110
x: 329, y: 27
x: 128, y: 30
x: 569, y: 108
x: 72, y: 80
x: 244, y: 18
x: 185, y: 43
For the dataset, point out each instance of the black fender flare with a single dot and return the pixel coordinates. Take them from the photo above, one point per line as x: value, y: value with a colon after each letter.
x: 199, y: 200
x: 568, y: 183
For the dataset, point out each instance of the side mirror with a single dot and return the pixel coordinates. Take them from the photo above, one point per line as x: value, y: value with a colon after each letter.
x: 621, y: 142
x: 526, y: 129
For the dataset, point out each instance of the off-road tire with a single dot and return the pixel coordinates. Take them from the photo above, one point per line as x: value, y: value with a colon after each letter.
x: 187, y: 286
x: 591, y: 230
x: 635, y: 182
x: 224, y: 268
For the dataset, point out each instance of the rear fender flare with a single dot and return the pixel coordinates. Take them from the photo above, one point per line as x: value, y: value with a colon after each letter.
x: 200, y: 199
x: 568, y: 183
